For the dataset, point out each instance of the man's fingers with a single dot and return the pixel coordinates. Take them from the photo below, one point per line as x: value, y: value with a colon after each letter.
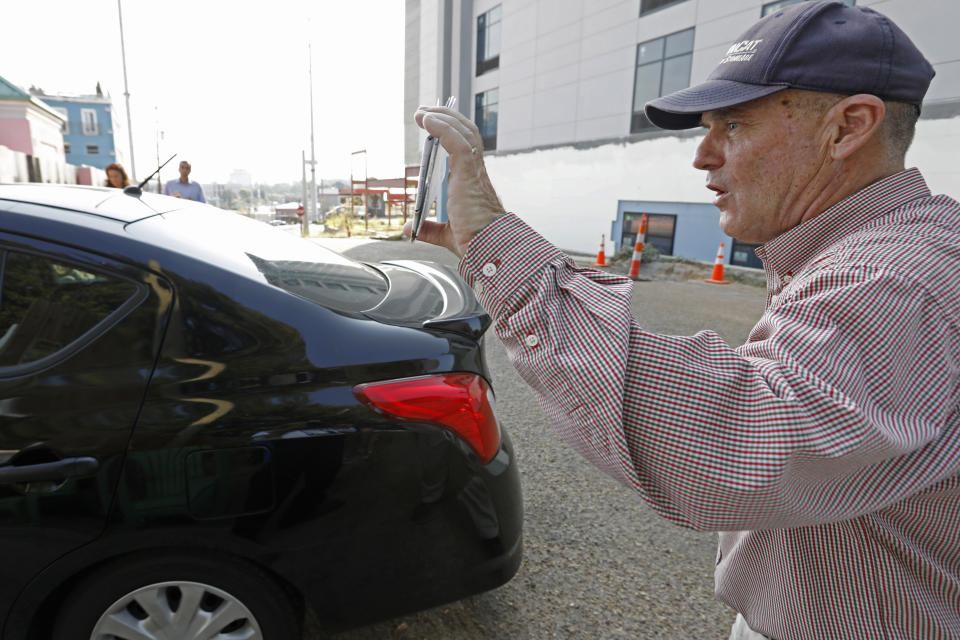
x: 456, y: 119
x: 463, y: 144
x: 472, y: 202
x: 430, y: 232
x: 449, y: 131
x: 433, y: 233
x: 457, y: 125
x: 467, y: 123
x: 456, y: 131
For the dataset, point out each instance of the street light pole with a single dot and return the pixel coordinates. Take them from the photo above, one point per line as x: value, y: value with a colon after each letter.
x: 126, y: 91
x: 304, y: 221
x: 366, y: 194
x: 312, y: 213
x: 366, y: 203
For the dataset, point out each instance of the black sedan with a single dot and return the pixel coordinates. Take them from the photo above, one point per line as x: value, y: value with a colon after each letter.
x: 208, y: 425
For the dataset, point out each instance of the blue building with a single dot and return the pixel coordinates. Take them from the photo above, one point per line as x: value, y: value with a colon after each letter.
x: 88, y: 132
x: 686, y: 229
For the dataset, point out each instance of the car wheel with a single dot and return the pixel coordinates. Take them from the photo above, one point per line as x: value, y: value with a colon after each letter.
x: 182, y: 597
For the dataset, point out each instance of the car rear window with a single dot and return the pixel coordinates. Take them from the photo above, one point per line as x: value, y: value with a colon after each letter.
x: 274, y: 255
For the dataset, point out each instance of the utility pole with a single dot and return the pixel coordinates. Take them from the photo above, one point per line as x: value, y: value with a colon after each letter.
x: 126, y: 91
x: 366, y: 203
x: 366, y: 194
x: 156, y: 129
x: 312, y: 212
x: 304, y: 223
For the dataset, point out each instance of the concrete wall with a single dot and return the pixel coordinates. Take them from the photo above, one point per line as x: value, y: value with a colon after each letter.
x: 15, y: 166
x: 411, y: 80
x: 47, y: 143
x: 932, y: 25
x: 431, y: 47
x: 567, y: 67
x: 570, y: 194
x: 15, y: 134
x: 31, y: 128
x: 565, y: 156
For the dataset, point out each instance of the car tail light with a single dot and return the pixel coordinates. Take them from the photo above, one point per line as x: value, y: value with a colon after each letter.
x: 460, y: 402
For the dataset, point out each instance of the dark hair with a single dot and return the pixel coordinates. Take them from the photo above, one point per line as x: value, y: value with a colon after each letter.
x: 116, y: 167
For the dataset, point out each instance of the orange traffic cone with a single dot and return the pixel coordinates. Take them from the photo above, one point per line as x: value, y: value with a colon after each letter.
x: 602, y: 256
x: 638, y: 249
x: 717, y: 276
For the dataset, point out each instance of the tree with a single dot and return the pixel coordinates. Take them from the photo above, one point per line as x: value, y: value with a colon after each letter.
x: 228, y: 198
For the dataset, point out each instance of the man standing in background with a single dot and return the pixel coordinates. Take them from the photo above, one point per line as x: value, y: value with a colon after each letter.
x: 182, y: 187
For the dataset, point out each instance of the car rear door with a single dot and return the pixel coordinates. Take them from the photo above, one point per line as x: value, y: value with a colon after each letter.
x: 79, y: 335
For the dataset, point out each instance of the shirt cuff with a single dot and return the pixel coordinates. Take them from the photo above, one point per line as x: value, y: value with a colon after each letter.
x: 502, y: 258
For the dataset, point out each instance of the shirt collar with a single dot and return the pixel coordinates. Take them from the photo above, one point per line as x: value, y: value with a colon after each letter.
x: 788, y: 252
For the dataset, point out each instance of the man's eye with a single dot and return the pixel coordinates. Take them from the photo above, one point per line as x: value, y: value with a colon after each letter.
x: 732, y: 125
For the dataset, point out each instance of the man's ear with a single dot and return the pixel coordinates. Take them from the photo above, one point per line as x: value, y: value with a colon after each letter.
x: 856, y: 120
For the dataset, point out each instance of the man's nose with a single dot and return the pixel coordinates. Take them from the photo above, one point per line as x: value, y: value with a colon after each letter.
x: 708, y: 156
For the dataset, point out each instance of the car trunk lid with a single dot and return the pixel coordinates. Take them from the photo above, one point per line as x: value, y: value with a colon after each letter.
x: 445, y: 304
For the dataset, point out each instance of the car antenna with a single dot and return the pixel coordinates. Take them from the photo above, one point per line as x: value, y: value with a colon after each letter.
x: 132, y: 190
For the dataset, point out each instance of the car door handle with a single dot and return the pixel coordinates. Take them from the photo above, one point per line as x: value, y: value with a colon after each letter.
x: 48, y: 471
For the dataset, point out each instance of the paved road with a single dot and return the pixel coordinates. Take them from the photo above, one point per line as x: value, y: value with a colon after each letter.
x: 598, y: 564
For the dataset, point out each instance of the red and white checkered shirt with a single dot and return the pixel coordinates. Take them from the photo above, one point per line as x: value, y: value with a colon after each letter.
x: 826, y: 450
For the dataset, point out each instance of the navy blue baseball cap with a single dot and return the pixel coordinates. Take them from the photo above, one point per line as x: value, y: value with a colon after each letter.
x: 819, y: 46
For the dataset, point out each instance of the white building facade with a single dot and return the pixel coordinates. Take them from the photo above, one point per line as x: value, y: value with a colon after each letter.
x: 557, y: 88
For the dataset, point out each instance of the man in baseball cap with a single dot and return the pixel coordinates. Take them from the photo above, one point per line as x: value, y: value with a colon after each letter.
x: 825, y: 450
x: 815, y: 46
x: 796, y: 77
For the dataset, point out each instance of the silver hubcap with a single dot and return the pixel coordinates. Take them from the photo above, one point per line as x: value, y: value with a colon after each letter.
x: 177, y: 611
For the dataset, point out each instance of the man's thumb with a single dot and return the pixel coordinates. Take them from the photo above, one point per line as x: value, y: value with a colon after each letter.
x: 432, y: 233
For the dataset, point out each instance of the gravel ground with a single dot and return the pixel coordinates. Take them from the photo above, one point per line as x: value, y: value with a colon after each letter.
x: 598, y: 563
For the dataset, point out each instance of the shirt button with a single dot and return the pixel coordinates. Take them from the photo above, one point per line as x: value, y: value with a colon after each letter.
x: 787, y: 279
x: 489, y: 269
x: 532, y: 340
x: 478, y: 288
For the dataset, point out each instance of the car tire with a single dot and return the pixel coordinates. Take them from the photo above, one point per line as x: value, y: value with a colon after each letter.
x: 177, y: 596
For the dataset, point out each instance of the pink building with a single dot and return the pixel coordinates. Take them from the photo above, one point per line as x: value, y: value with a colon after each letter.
x: 29, y: 126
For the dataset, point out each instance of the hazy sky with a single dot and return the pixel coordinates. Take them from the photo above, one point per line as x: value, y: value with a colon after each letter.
x: 227, y: 82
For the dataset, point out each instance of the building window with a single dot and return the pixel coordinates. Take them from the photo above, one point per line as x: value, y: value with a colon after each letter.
x: 66, y: 147
x: 485, y: 115
x: 770, y: 7
x: 93, y: 149
x: 646, y: 6
x: 663, y: 66
x: 88, y: 122
x: 744, y: 254
x: 65, y: 127
x: 661, y: 228
x: 488, y: 40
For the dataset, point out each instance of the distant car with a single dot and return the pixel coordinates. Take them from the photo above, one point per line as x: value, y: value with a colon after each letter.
x: 277, y: 223
x: 207, y: 426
